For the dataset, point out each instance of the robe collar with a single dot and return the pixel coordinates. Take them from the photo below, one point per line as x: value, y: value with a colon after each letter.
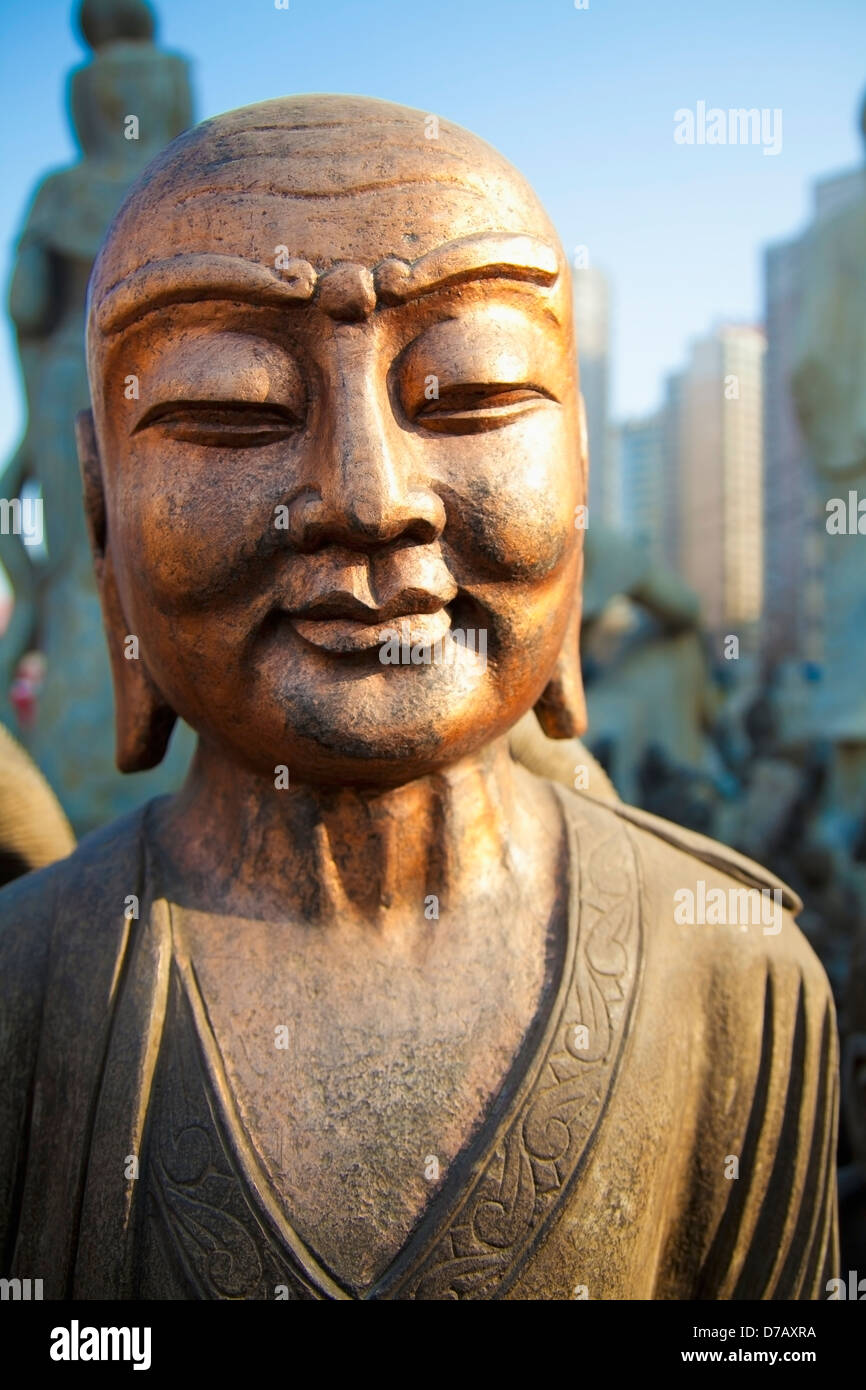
x: 503, y: 1193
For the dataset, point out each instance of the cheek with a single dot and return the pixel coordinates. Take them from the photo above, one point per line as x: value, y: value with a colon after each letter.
x: 516, y: 498
x: 187, y: 531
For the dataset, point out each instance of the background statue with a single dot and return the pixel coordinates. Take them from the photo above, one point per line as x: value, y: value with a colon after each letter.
x: 650, y: 696
x: 126, y: 103
x: 829, y: 384
x: 33, y: 829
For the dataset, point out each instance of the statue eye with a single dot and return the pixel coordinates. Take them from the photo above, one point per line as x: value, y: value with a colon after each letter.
x: 476, y: 406
x: 222, y: 424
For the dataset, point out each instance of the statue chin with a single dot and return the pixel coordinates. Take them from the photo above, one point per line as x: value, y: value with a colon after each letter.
x: 393, y: 712
x: 390, y: 734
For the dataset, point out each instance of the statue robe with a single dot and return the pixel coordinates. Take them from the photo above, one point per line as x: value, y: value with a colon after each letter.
x: 671, y: 1136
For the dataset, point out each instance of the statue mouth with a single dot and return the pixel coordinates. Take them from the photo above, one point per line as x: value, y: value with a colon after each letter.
x: 352, y: 635
x: 344, y: 624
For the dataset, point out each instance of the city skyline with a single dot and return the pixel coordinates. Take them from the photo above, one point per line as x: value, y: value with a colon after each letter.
x: 691, y: 476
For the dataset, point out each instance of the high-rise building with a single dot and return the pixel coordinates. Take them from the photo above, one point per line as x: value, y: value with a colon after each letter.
x: 785, y: 462
x: 671, y: 414
x: 792, y: 601
x: 720, y: 476
x: 592, y: 324
x: 641, y: 450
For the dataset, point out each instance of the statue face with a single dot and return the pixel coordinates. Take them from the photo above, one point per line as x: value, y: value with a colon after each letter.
x: 354, y: 417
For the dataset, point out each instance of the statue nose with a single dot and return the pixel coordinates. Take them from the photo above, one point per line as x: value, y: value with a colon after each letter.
x: 377, y: 505
x: 365, y: 512
x: 367, y: 490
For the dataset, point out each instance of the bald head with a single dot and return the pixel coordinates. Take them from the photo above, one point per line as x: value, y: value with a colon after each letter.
x: 332, y: 332
x: 264, y: 201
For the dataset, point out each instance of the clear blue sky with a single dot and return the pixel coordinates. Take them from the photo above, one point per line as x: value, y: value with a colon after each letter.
x: 581, y: 100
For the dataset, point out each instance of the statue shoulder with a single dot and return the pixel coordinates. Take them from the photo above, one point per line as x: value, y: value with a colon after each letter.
x: 712, y: 853
x: 61, y: 936
x: 49, y: 195
x: 83, y: 891
x: 736, y: 1021
x: 27, y: 909
x: 656, y: 837
x: 720, y: 907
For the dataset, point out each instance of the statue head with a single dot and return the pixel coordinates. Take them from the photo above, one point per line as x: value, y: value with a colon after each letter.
x: 112, y: 21
x: 334, y: 394
x: 131, y: 98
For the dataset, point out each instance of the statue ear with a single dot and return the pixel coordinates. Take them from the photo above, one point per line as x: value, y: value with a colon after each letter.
x: 584, y: 445
x: 561, y: 707
x: 143, y: 721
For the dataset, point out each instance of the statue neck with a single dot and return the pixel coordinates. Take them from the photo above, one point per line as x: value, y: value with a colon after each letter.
x: 232, y: 843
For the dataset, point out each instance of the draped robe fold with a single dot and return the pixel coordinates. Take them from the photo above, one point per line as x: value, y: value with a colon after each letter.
x: 603, y: 1170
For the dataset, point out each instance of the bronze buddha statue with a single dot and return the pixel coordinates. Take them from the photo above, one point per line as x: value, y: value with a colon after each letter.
x: 368, y: 1010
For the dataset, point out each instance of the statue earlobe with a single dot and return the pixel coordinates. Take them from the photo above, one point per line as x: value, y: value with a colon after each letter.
x: 583, y: 435
x: 561, y: 707
x: 91, y: 480
x: 143, y: 720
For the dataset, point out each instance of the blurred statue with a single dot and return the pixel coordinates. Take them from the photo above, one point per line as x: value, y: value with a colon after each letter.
x: 777, y: 820
x: 33, y: 829
x: 650, y: 696
x: 829, y: 385
x: 127, y: 102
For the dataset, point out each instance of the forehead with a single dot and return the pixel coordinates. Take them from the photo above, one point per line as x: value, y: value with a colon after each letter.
x: 330, y: 179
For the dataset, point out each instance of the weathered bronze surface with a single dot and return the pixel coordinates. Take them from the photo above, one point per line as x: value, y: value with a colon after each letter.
x: 369, y: 1010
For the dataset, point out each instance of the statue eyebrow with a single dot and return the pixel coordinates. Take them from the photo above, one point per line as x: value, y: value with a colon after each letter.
x: 472, y: 258
x: 196, y: 276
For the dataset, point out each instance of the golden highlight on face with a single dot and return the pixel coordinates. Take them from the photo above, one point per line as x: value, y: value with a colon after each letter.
x: 355, y: 408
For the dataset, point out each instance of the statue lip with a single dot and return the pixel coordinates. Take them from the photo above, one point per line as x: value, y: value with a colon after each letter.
x: 343, y: 623
x: 342, y: 605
